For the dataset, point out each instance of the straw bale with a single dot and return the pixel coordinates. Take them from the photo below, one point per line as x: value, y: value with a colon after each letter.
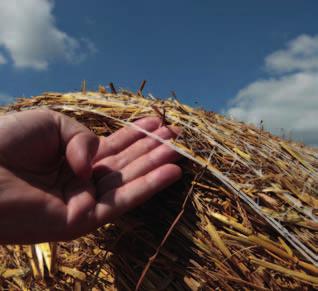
x: 243, y: 217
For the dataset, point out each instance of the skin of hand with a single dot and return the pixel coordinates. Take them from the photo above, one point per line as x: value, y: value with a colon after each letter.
x: 59, y: 181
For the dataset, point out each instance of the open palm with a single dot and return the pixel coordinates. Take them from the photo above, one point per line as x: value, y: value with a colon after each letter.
x: 59, y: 181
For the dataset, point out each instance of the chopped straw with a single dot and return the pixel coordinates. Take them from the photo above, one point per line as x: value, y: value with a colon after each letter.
x: 248, y: 220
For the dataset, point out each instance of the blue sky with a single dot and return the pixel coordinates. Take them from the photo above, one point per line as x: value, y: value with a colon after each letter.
x: 206, y: 51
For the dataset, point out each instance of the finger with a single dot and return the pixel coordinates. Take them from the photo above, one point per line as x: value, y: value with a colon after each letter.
x: 133, y: 152
x: 124, y: 137
x: 80, y: 200
x: 141, y: 166
x: 115, y: 202
x: 78, y: 143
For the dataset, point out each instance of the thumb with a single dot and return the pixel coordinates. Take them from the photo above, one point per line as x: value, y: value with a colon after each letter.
x: 78, y: 143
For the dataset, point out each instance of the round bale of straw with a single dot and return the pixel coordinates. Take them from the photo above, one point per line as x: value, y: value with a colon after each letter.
x: 243, y: 217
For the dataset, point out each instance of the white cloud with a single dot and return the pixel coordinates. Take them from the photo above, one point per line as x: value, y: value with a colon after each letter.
x: 29, y: 34
x: 2, y: 59
x: 301, y: 55
x: 288, y: 101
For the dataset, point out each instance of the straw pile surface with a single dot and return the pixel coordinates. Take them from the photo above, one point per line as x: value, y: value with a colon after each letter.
x: 244, y: 216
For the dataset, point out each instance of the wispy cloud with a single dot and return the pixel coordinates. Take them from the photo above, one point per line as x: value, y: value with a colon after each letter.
x: 6, y: 99
x: 29, y: 35
x: 288, y: 100
x: 301, y: 54
x: 2, y: 59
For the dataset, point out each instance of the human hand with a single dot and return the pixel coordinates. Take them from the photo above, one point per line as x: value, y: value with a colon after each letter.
x: 59, y: 181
